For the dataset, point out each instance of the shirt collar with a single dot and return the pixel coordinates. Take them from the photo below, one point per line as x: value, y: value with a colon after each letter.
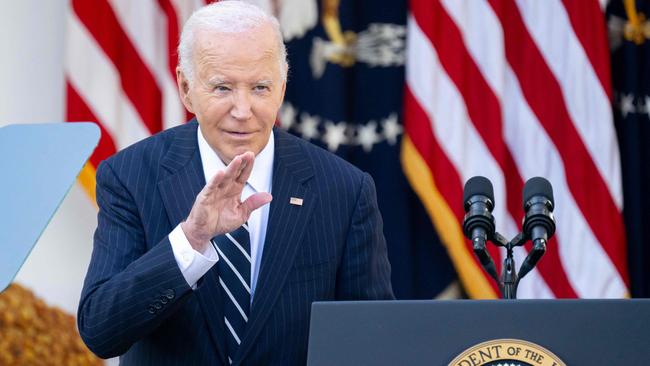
x: 262, y: 174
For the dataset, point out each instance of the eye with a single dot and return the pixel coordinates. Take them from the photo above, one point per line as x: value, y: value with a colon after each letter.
x: 261, y: 88
x: 221, y: 88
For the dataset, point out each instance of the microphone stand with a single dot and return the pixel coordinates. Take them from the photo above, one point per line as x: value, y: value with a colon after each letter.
x: 509, y: 280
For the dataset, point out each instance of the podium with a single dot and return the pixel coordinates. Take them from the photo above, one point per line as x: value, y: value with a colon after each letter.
x: 578, y: 332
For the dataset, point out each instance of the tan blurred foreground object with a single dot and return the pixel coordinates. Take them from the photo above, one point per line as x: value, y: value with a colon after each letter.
x: 32, y: 333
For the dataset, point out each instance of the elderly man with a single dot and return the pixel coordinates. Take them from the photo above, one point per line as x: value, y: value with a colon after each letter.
x: 185, y: 272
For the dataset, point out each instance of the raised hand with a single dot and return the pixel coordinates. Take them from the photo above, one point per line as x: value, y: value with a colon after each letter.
x: 218, y: 208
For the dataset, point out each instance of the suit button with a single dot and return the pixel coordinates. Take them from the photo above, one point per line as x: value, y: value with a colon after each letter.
x: 169, y: 294
x: 164, y: 300
x: 151, y: 309
x: 157, y: 305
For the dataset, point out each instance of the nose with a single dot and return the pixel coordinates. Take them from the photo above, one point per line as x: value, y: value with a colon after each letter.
x: 241, y: 106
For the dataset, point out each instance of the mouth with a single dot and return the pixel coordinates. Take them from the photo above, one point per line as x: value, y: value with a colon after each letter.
x: 239, y: 134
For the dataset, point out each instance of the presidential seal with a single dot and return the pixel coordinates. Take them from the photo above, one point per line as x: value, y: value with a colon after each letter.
x: 507, y: 352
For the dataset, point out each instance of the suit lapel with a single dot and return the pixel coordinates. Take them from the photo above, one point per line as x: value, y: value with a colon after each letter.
x: 178, y: 191
x: 185, y: 179
x: 286, y: 226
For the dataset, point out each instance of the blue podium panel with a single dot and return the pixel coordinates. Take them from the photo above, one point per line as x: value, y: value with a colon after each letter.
x: 387, y: 333
x: 38, y: 165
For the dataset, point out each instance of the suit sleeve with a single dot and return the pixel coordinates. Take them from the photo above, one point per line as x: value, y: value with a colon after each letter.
x: 128, y: 291
x: 364, y: 273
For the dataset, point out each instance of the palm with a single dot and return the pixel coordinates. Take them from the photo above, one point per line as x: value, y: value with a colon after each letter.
x: 218, y: 208
x: 232, y: 213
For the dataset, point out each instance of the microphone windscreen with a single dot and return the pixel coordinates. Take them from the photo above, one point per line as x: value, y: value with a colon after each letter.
x: 538, y: 186
x: 478, y: 186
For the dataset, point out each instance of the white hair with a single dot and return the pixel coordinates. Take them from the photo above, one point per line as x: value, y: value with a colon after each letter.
x: 226, y: 17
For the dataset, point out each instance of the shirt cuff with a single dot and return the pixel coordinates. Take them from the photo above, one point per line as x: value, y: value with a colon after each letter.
x: 192, y: 263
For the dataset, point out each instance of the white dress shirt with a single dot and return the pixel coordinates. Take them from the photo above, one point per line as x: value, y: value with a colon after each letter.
x: 194, y: 264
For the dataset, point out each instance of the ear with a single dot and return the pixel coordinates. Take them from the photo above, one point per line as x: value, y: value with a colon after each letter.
x: 184, y: 89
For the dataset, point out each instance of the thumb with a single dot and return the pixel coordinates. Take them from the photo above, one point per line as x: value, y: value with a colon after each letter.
x: 256, y: 201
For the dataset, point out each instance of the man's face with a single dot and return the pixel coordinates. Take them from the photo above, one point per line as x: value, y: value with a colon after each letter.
x: 237, y: 89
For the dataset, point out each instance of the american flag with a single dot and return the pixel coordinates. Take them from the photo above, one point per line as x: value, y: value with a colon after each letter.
x: 504, y: 89
x: 510, y: 90
x: 120, y: 70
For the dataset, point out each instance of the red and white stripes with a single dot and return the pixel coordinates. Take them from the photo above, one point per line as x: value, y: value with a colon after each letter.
x: 511, y: 90
x: 120, y: 68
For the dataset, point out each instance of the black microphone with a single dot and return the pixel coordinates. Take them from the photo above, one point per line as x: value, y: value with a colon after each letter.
x: 478, y: 224
x: 539, y: 223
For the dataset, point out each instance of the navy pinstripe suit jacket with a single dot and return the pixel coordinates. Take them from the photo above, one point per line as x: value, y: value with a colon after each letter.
x: 135, y: 302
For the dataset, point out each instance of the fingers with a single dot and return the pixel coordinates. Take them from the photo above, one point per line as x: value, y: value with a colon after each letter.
x: 240, y: 168
x: 233, y: 170
x: 256, y: 201
x: 215, y: 182
x: 248, y: 160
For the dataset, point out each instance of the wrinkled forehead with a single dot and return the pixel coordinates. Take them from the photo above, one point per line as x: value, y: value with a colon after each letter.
x: 254, y: 52
x: 259, y: 39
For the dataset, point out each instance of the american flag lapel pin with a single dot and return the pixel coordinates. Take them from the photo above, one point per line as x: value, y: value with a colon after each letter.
x: 295, y: 201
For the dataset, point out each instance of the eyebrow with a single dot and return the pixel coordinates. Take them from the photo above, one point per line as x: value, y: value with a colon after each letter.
x: 217, y: 80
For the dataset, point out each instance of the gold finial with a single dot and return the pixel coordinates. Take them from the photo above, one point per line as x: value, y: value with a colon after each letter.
x: 636, y: 28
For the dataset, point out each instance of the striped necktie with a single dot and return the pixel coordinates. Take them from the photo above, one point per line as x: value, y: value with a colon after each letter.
x: 235, y: 279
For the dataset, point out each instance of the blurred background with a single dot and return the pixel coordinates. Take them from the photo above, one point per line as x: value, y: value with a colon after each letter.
x: 422, y: 94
